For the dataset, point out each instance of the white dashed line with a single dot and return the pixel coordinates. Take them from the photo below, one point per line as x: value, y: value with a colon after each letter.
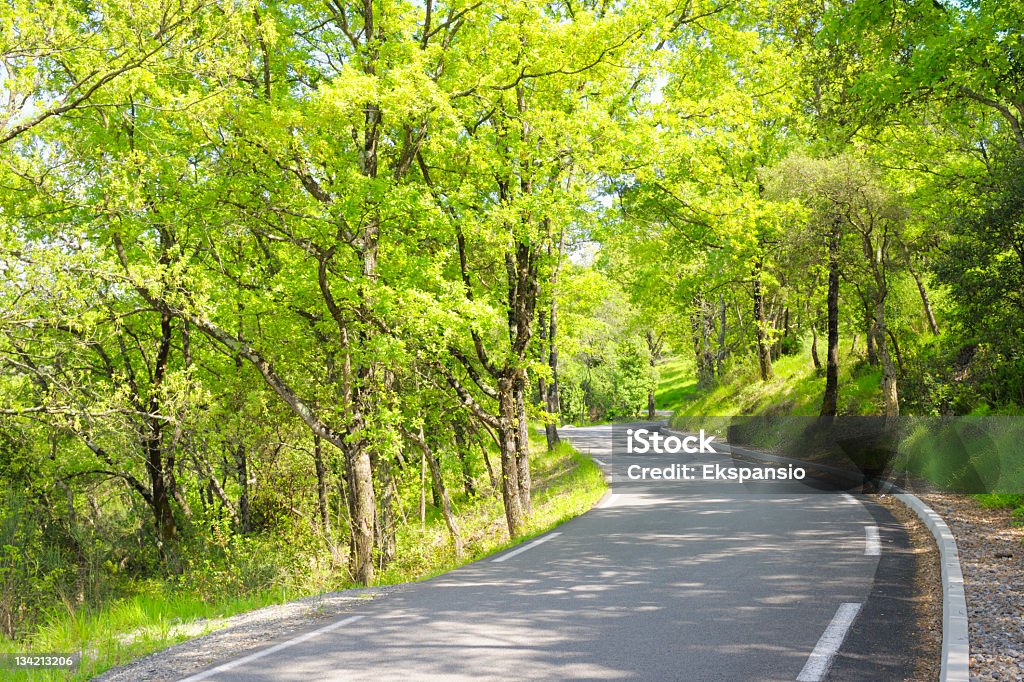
x: 820, y: 660
x: 516, y: 552
x: 872, y: 543
x: 206, y: 674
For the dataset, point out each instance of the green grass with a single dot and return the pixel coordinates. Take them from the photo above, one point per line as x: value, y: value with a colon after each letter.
x: 565, y: 484
x: 130, y: 628
x: 1013, y: 501
x: 677, y: 384
x: 795, y: 389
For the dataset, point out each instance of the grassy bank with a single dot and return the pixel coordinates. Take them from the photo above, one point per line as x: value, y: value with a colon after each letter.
x: 162, y: 613
x: 795, y: 389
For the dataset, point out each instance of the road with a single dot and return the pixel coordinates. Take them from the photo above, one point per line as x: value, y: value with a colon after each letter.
x: 664, y: 580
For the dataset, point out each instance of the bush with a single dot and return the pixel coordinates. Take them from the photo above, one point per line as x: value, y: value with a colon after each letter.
x: 790, y: 345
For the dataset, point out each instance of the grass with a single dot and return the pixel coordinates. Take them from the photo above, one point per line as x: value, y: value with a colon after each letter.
x: 795, y: 389
x: 565, y: 484
x: 130, y: 628
x: 1014, y: 501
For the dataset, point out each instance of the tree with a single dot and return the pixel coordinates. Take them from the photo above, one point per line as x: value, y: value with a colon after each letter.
x: 847, y: 200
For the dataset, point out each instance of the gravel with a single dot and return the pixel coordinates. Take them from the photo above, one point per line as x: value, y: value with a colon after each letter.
x: 992, y: 557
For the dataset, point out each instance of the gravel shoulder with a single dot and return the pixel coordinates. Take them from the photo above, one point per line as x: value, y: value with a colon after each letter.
x: 238, y: 635
x: 992, y: 557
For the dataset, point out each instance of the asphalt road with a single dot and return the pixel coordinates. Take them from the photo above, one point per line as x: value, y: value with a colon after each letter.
x: 664, y: 580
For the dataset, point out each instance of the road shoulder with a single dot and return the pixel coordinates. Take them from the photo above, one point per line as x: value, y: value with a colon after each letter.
x: 904, y: 609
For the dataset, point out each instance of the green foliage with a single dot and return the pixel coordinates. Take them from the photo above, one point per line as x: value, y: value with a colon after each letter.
x: 606, y: 368
x: 262, y: 262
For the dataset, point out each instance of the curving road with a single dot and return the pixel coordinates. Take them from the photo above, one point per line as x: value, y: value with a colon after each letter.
x: 664, y: 580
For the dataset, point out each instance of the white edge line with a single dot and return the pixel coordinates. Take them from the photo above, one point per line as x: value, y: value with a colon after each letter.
x: 607, y: 502
x: 599, y: 461
x: 516, y: 552
x: 872, y: 542
x: 820, y: 660
x: 270, y: 650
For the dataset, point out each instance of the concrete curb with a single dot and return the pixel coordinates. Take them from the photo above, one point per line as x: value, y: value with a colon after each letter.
x: 956, y: 643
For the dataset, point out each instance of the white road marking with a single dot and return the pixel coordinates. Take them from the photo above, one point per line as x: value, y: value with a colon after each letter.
x: 270, y: 650
x: 872, y: 543
x: 516, y: 552
x: 599, y: 461
x: 820, y: 660
x: 607, y: 502
x: 850, y: 499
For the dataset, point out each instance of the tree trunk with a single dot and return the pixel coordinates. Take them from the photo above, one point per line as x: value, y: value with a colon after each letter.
x: 890, y: 394
x: 321, y: 487
x: 509, y: 461
x: 241, y: 453
x: 423, y: 489
x: 654, y: 346
x: 542, y: 388
x: 363, y: 513
x: 722, y: 319
x: 163, y: 514
x: 215, y: 488
x: 482, y: 442
x: 830, y: 400
x: 896, y: 350
x: 872, y: 352
x: 385, y: 521
x: 925, y: 300
x: 166, y: 526
x: 522, y: 443
x: 363, y: 494
x: 344, y: 502
x: 814, y: 346
x: 446, y: 502
x: 764, y: 358
x: 551, y: 402
x: 461, y: 449
x: 928, y: 312
x: 701, y: 344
